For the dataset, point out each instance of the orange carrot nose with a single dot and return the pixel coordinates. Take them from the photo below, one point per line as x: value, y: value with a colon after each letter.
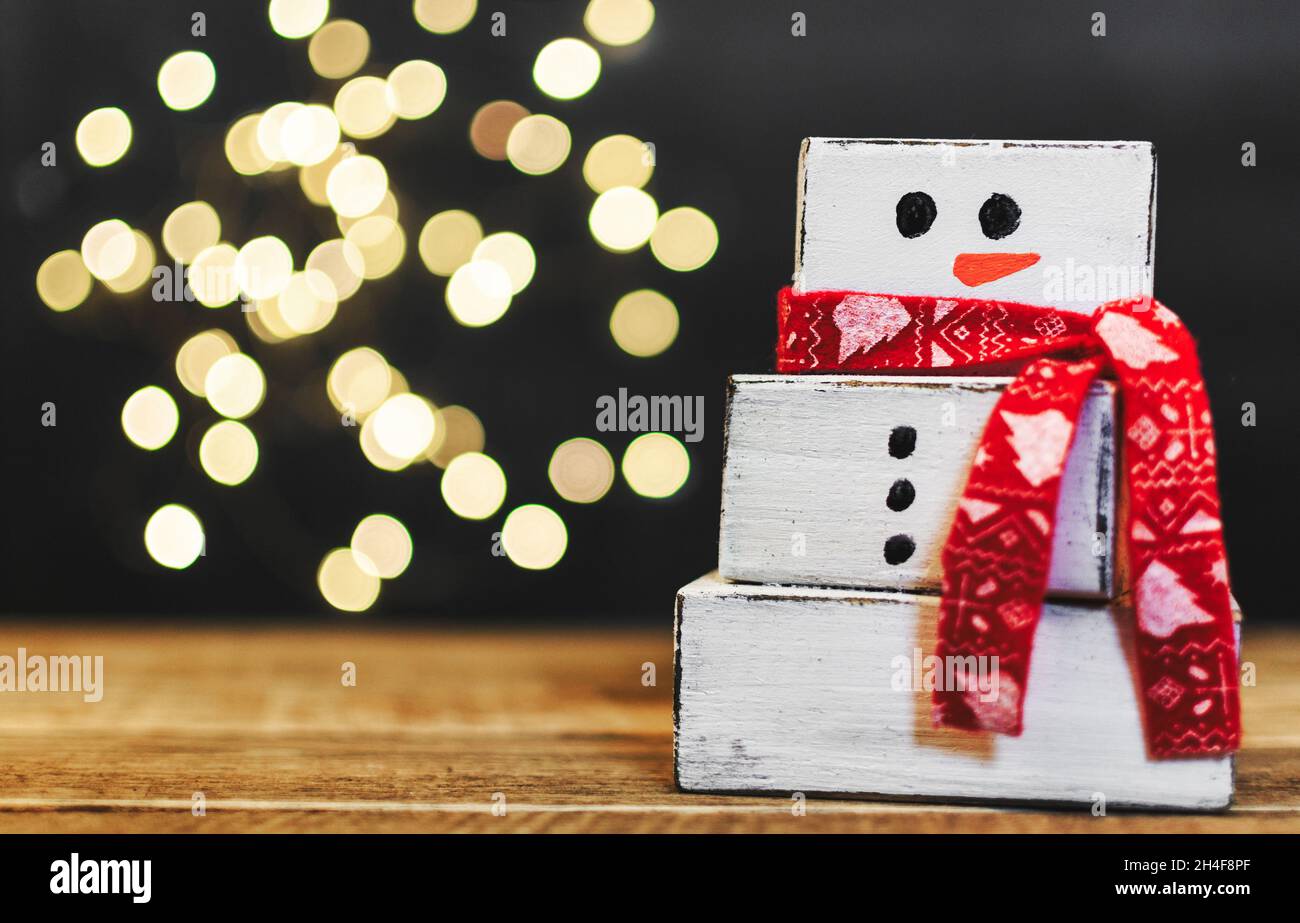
x: 977, y: 268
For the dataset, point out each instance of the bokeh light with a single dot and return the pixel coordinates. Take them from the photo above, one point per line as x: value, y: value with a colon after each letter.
x: 235, y: 386
x: 459, y: 431
x: 447, y: 241
x: 313, y: 177
x: 150, y: 418
x: 381, y: 546
x: 308, y: 303
x: 361, y: 106
x: 684, y: 239
x: 212, y: 276
x: 309, y: 135
x: 186, y: 79
x: 189, y: 230
x: 473, y: 485
x: 356, y: 185
x: 62, y: 281
x: 173, y: 536
x: 490, y: 128
x: 444, y: 16
x: 339, y: 49
x: 297, y: 18
x: 404, y: 425
x: 566, y: 68
x: 656, y: 465
x: 644, y: 323
x: 141, y: 268
x: 196, y: 355
x: 228, y: 452
x: 103, y: 136
x: 359, y: 381
x: 263, y: 267
x: 623, y: 218
x: 108, y: 249
x: 479, y: 293
x: 344, y: 584
x: 581, y: 470
x: 381, y: 243
x: 534, y: 537
x: 342, y: 262
x: 270, y: 131
x: 513, y: 253
x: 619, y: 160
x: 243, y: 151
x: 619, y: 22
x: 416, y: 89
x: 538, y: 144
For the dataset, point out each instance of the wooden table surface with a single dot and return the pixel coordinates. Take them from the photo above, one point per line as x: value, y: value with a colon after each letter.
x: 441, y: 721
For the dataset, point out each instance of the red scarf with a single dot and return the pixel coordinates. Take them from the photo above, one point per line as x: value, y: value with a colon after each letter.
x: 995, y: 562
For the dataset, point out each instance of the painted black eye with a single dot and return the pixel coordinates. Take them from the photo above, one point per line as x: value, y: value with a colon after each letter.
x: 914, y: 214
x: 999, y: 216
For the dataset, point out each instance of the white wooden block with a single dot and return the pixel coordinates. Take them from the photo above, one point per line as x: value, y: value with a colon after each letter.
x: 808, y: 473
x: 1086, y: 210
x: 795, y: 689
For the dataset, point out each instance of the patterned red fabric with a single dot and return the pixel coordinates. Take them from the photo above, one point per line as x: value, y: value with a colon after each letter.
x: 996, y: 559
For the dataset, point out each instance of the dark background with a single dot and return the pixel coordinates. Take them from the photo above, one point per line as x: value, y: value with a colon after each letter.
x: 725, y: 93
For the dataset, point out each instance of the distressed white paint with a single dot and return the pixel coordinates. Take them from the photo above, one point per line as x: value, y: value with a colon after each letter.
x: 807, y: 469
x: 1087, y: 210
x: 791, y: 689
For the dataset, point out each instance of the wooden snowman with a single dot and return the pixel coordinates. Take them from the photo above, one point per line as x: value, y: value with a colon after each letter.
x: 805, y: 664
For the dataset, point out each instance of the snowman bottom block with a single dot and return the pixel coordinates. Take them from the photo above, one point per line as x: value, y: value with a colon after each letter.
x: 854, y: 480
x: 824, y: 691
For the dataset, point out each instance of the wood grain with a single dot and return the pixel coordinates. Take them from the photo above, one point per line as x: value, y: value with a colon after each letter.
x: 257, y: 720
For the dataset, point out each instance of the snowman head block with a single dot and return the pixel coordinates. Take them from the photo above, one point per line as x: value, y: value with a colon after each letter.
x: 1069, y: 225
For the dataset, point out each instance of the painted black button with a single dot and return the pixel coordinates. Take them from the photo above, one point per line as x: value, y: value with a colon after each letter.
x: 899, y: 548
x: 901, y: 495
x: 902, y: 441
x: 914, y: 214
x: 999, y: 216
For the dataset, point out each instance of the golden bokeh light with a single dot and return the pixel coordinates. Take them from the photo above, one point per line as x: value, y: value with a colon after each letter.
x: 534, y: 537
x: 479, y: 293
x: 270, y: 131
x: 297, y: 18
x: 375, y: 453
x: 196, y: 355
x: 444, y: 16
x: 656, y: 465
x: 189, y: 230
x: 538, y: 144
x: 309, y: 135
x: 140, y: 270
x: 150, y: 418
x: 513, y: 253
x: 382, y: 546
x: 566, y: 68
x: 312, y: 179
x: 267, y: 321
x: 263, y: 267
x: 344, y: 584
x: 173, y: 536
x: 103, y: 136
x: 186, y: 79
x: 459, y: 431
x: 684, y: 239
x: 619, y: 160
x: 404, y: 425
x: 416, y: 89
x: 356, y: 185
x: 623, y: 218
x: 644, y: 323
x: 473, y: 485
x: 342, y: 262
x: 359, y: 381
x: 243, y: 150
x: 63, y: 282
x: 361, y: 106
x: 581, y: 470
x: 339, y: 49
x: 490, y: 128
x: 211, y: 277
x: 381, y: 242
x: 387, y: 208
x: 308, y: 303
x: 447, y: 241
x: 108, y: 249
x: 228, y: 452
x: 235, y: 386
x: 619, y: 22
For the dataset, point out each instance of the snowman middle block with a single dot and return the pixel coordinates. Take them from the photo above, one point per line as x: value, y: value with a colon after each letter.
x: 853, y: 481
